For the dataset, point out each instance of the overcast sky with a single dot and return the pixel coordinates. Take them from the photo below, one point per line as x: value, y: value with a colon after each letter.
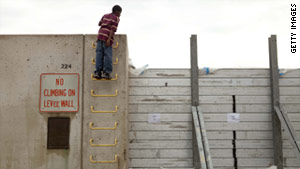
x: 231, y: 33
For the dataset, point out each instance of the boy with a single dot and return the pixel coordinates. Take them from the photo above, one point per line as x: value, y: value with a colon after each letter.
x: 108, y: 26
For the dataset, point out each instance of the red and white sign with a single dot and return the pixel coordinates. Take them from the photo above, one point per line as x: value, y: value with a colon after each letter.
x: 59, y: 92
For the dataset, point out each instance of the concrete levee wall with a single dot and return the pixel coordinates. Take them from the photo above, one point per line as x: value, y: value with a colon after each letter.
x: 168, y: 143
x: 23, y: 129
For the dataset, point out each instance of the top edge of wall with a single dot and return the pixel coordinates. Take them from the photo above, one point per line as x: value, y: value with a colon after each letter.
x: 55, y: 34
x: 41, y: 34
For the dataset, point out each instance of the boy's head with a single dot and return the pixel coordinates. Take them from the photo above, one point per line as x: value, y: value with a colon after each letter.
x: 117, y: 10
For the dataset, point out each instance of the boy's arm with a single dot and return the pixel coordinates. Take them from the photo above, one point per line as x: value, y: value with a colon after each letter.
x: 100, y: 22
x: 109, y: 38
x: 113, y: 29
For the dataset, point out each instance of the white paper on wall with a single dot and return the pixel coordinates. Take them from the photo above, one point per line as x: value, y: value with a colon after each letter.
x: 154, y: 118
x: 233, y: 117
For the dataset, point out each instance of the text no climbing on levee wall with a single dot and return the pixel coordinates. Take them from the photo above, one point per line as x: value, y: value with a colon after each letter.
x: 59, y: 92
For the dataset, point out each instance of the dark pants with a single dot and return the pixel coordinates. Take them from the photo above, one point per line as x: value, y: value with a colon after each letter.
x: 103, y: 58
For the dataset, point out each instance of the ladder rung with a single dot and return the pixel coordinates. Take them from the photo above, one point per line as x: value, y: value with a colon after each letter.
x: 103, y: 128
x: 104, y: 111
x: 94, y: 45
x: 113, y: 161
x: 103, y: 145
x: 104, y: 95
x: 115, y: 62
x: 116, y: 77
x: 116, y: 45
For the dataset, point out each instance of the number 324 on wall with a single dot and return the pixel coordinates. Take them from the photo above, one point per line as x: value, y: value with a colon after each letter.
x: 66, y: 66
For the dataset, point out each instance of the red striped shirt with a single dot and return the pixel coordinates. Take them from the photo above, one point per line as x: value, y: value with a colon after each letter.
x: 107, y: 23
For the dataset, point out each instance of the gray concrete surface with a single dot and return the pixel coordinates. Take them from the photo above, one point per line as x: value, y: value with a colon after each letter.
x: 23, y: 129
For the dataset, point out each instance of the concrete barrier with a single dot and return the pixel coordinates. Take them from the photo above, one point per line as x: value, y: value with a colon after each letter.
x: 23, y: 128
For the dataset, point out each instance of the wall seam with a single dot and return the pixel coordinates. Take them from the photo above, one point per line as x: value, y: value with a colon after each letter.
x: 82, y: 101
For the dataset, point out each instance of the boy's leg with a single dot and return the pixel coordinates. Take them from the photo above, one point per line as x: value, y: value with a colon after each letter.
x: 107, y: 68
x: 99, y: 59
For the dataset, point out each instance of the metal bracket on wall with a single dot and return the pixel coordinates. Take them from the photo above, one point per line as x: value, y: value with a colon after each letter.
x: 94, y: 44
x: 116, y: 77
x: 103, y: 128
x: 103, y: 145
x: 105, y: 95
x: 105, y: 111
x: 113, y: 161
x: 115, y: 62
x: 116, y: 45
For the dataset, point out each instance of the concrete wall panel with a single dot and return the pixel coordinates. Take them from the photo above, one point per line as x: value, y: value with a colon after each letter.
x: 23, y: 129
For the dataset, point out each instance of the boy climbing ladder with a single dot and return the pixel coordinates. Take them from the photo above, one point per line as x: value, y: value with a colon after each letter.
x: 108, y: 26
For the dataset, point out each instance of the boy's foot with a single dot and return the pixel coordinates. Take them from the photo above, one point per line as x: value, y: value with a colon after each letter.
x: 97, y: 75
x: 107, y: 76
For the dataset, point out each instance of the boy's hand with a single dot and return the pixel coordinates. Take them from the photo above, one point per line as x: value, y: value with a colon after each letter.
x: 107, y: 43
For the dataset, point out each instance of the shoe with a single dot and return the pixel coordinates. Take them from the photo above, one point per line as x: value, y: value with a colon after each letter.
x: 97, y: 76
x: 107, y: 76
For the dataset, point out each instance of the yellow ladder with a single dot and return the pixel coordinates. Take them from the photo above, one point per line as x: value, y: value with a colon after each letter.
x: 91, y: 124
